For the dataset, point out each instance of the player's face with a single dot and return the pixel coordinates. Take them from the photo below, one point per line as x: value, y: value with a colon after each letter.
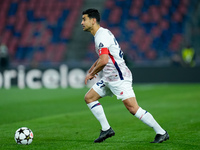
x: 86, y: 23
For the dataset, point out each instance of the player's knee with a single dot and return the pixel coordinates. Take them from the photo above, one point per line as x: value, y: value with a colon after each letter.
x: 88, y: 99
x: 91, y: 96
x: 132, y: 110
x: 131, y: 105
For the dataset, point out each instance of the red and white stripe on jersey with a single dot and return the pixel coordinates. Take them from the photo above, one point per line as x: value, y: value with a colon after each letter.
x: 103, y: 51
x: 116, y: 66
x: 106, y: 51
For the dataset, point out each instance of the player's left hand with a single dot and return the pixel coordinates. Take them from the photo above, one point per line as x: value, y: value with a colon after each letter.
x: 89, y: 76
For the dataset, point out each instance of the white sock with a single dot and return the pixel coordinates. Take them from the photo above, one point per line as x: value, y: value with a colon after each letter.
x: 148, y: 119
x: 98, y: 112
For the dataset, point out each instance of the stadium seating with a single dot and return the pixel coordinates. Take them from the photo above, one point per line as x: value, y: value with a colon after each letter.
x: 146, y: 29
x: 37, y: 30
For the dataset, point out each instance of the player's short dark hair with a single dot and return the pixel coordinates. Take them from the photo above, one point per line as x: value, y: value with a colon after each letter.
x: 92, y: 13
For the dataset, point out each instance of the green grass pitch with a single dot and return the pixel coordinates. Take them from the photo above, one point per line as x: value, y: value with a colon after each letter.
x: 60, y: 119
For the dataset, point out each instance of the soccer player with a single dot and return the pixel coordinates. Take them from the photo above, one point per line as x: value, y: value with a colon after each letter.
x: 116, y: 79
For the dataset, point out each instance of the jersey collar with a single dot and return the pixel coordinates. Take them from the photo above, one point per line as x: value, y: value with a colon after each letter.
x: 98, y: 31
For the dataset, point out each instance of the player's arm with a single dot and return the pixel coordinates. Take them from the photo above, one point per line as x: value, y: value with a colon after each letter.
x: 92, y: 67
x: 99, y: 64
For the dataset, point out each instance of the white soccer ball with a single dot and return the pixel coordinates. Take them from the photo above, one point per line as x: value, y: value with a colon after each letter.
x: 24, y: 136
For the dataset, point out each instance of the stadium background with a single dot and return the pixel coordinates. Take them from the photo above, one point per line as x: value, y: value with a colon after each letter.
x: 43, y: 34
x: 47, y: 48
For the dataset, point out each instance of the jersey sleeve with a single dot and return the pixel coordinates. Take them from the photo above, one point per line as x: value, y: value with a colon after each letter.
x: 103, y: 50
x: 103, y: 43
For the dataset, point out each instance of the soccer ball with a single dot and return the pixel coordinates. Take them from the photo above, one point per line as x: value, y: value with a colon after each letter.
x: 24, y: 136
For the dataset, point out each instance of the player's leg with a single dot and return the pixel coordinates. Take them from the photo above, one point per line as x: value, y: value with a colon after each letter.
x: 147, y: 118
x: 91, y: 99
x: 131, y: 104
x: 143, y: 115
x: 123, y: 90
